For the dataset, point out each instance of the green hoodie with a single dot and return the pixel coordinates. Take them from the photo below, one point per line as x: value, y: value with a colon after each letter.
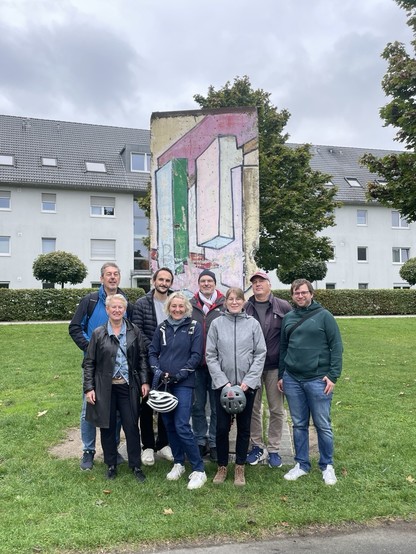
x: 315, y: 347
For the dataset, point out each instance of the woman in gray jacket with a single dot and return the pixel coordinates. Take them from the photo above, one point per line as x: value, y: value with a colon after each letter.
x: 235, y: 355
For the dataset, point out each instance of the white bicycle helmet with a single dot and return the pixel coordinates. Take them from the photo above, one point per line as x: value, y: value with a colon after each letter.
x: 162, y: 401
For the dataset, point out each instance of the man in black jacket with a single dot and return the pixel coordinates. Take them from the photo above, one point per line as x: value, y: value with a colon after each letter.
x: 148, y: 313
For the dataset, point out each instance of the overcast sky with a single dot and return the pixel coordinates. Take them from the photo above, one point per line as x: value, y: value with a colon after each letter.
x: 114, y: 62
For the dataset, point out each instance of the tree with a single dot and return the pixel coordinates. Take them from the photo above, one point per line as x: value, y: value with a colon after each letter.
x: 295, y: 202
x: 408, y: 271
x: 398, y: 170
x: 312, y: 270
x: 59, y: 267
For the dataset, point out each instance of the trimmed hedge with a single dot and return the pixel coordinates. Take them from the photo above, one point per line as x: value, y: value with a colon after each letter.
x: 60, y: 304
x: 46, y: 304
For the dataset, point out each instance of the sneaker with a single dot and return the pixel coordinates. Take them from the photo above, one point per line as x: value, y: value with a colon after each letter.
x: 165, y: 453
x: 294, y: 473
x: 239, y: 478
x: 255, y: 455
x: 213, y: 454
x: 138, y: 473
x: 176, y: 472
x: 196, y: 480
x: 328, y: 475
x: 220, y: 476
x: 112, y: 472
x: 148, y: 457
x: 87, y: 460
x: 275, y: 460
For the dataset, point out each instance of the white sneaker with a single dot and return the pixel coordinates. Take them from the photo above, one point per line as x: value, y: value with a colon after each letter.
x: 176, y: 472
x: 196, y: 480
x: 294, y: 473
x: 148, y: 457
x: 328, y: 475
x: 165, y: 453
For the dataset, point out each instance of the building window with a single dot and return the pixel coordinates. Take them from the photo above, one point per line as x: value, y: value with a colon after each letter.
x: 401, y: 286
x: 141, y: 232
x: 5, y: 203
x: 141, y: 256
x: 103, y: 249
x: 400, y: 255
x: 4, y: 284
x: 103, y: 206
x: 48, y: 245
x: 96, y: 167
x: 353, y: 182
x: 398, y: 221
x: 48, y: 202
x: 363, y: 286
x: 47, y: 285
x: 330, y: 286
x: 361, y: 253
x: 6, y: 159
x: 49, y: 162
x: 140, y: 162
x: 361, y: 217
x: 4, y: 246
x: 332, y: 258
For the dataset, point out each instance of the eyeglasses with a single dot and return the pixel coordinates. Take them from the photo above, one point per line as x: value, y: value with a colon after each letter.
x: 301, y: 293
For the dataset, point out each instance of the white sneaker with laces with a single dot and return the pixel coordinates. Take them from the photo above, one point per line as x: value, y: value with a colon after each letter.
x: 165, y: 453
x: 176, y: 472
x: 197, y: 480
x: 294, y: 473
x: 328, y: 475
x: 148, y: 457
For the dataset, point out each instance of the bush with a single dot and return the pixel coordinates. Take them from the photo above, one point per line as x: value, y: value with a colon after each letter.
x: 408, y: 271
x: 46, y: 304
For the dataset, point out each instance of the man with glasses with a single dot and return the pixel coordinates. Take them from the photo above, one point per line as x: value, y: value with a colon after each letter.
x: 310, y: 364
x: 269, y: 312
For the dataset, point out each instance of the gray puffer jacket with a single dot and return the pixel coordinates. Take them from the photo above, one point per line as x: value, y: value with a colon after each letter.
x: 235, y: 351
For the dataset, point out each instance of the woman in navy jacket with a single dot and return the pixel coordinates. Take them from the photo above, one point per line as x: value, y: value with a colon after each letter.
x: 176, y: 350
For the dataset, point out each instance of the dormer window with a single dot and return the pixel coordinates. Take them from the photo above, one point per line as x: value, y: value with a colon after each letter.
x: 353, y: 182
x: 96, y: 167
x: 5, y: 159
x: 49, y: 162
x: 140, y: 162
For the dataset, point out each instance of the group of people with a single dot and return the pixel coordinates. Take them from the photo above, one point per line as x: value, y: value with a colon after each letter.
x: 196, y: 349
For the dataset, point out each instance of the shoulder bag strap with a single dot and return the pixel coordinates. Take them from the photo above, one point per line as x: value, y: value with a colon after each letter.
x: 304, y: 318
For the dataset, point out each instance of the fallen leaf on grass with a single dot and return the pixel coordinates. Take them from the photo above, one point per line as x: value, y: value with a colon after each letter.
x: 285, y: 524
x: 100, y: 503
x: 40, y: 414
x: 283, y: 498
x: 107, y: 491
x: 410, y: 479
x: 167, y: 511
x: 401, y: 393
x: 344, y: 472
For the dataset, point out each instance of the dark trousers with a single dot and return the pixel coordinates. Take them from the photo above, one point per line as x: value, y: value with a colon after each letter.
x: 146, y: 429
x: 120, y: 400
x: 243, y: 421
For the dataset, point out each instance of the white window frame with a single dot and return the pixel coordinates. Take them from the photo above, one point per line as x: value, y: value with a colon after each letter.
x: 102, y: 206
x: 330, y: 286
x: 403, y: 254
x: 4, y: 195
x: 146, y: 162
x: 95, y: 167
x: 401, y: 222
x: 363, y: 286
x: 364, y: 216
x: 48, y: 245
x: 353, y: 182
x: 7, y: 159
x: 103, y: 249
x: 48, y: 198
x: 364, y: 248
x: 4, y: 239
x: 49, y: 162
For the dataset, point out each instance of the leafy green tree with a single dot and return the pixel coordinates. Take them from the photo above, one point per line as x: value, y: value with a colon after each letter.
x: 59, y: 267
x: 408, y: 271
x: 295, y: 203
x: 398, y: 169
x: 312, y: 270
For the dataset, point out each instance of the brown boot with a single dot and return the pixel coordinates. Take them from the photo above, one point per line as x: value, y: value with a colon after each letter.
x: 220, y: 476
x: 239, y: 478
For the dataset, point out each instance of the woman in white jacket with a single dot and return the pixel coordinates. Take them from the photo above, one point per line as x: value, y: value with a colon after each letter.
x: 235, y: 355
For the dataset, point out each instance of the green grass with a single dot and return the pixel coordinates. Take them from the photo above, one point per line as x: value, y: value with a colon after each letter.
x: 48, y: 505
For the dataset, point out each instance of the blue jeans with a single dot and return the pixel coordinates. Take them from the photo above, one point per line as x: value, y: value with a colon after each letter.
x: 203, y: 385
x: 181, y: 438
x: 306, y: 398
x: 89, y: 431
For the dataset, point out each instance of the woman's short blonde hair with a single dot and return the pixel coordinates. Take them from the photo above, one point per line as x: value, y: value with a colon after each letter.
x: 180, y: 296
x: 239, y: 294
x: 118, y: 297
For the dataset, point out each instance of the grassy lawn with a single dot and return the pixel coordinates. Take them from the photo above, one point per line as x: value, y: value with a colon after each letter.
x: 49, y: 505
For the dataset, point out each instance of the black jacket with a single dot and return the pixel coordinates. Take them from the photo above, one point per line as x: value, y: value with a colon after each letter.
x: 144, y: 316
x: 98, y: 367
x: 206, y: 319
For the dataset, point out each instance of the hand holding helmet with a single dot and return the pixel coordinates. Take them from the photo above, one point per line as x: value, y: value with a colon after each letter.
x: 233, y: 399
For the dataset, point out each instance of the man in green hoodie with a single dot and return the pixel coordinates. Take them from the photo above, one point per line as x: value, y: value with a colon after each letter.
x: 310, y: 364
